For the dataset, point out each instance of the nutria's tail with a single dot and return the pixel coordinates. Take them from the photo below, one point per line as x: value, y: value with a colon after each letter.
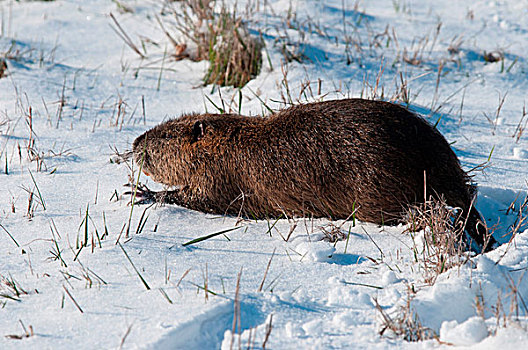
x: 480, y: 239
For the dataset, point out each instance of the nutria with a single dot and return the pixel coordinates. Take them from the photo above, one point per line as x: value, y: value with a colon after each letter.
x: 322, y: 159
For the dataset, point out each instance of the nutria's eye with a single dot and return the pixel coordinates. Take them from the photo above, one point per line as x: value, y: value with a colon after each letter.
x: 198, y: 131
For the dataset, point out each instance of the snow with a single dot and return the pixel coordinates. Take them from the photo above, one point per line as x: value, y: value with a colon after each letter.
x: 471, y: 331
x: 316, y: 294
x: 315, y: 251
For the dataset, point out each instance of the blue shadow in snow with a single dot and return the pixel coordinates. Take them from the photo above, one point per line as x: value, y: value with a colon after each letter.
x: 347, y: 259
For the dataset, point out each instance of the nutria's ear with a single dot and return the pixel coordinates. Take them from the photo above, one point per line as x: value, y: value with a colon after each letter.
x: 198, y: 131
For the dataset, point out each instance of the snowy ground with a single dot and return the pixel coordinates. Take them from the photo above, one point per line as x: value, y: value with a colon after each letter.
x: 314, y: 295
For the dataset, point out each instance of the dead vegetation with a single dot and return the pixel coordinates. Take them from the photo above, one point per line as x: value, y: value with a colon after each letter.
x: 443, y: 247
x: 519, y: 129
x: 493, y: 56
x: 26, y: 54
x: 507, y: 309
x: 220, y: 37
x: 520, y: 210
x: 27, y: 332
x: 204, y: 30
x: 510, y: 307
x: 236, y: 340
x: 10, y: 289
x: 444, y: 243
x: 405, y: 324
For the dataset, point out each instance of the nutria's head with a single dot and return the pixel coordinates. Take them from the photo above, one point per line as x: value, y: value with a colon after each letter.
x: 182, y: 149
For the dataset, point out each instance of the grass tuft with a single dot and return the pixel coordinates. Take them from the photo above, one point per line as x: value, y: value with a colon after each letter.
x: 11, y: 289
x: 222, y: 38
x: 443, y: 245
x: 405, y: 324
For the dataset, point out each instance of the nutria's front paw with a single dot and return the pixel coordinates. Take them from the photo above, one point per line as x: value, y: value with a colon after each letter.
x: 144, y: 195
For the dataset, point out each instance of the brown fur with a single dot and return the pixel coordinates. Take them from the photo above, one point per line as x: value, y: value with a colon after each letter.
x: 319, y: 159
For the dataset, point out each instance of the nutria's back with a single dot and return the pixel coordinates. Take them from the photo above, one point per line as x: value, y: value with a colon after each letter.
x: 317, y: 159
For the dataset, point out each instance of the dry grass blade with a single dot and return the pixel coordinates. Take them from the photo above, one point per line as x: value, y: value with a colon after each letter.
x: 120, y: 157
x: 9, y: 234
x: 10, y: 297
x: 269, y: 327
x: 165, y: 295
x: 38, y: 190
x: 333, y: 233
x: 73, y: 299
x: 204, y: 289
x: 362, y: 285
x: 123, y: 35
x: 134, y: 266
x: 521, y: 126
x: 203, y: 238
x: 236, y: 315
x: 56, y: 252
x: 182, y: 277
x: 266, y: 272
x: 206, y: 282
x: 270, y: 227
x: 234, y: 57
x: 143, y: 220
x: 125, y: 336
